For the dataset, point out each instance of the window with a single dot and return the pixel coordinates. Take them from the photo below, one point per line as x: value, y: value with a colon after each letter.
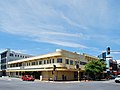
x: 20, y: 64
x: 40, y: 62
x: 44, y: 61
x: 3, y: 55
x: 3, y: 61
x: 48, y: 61
x: 33, y: 63
x: 20, y: 73
x: 52, y: 60
x: 71, y: 62
x: 59, y: 60
x: 16, y: 64
x: 11, y: 54
x: 29, y: 63
x: 67, y: 61
x: 83, y: 63
x: 10, y: 65
x: 16, y: 73
x: 24, y: 64
x: 3, y: 66
x: 36, y: 62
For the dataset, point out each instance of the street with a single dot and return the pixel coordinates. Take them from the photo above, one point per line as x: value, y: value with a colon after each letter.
x: 18, y: 84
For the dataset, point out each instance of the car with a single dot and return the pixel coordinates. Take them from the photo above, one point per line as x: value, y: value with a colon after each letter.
x: 28, y: 78
x: 117, y: 79
x: 112, y: 77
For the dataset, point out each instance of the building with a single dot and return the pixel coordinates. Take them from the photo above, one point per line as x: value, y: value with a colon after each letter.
x: 89, y: 57
x: 0, y: 70
x: 59, y: 65
x: 111, y: 65
x: 8, y: 56
x: 118, y: 66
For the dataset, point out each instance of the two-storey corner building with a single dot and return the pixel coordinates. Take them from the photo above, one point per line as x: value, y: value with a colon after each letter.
x: 42, y: 67
x: 7, y: 56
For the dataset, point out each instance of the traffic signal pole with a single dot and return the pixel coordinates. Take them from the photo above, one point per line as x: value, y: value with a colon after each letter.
x: 109, y: 51
x: 114, y: 51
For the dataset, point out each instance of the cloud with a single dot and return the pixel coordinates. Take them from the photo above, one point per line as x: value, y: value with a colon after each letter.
x: 62, y: 22
x: 68, y: 20
x: 20, y: 51
x: 62, y: 43
x: 36, y: 24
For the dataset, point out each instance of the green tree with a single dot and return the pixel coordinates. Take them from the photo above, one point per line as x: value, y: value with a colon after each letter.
x: 95, y: 68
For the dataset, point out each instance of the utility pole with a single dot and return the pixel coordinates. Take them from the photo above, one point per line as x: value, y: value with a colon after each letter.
x: 78, y: 70
x: 53, y: 72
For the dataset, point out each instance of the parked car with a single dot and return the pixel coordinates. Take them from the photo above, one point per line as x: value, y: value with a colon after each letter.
x: 112, y: 77
x: 27, y: 78
x: 117, y: 79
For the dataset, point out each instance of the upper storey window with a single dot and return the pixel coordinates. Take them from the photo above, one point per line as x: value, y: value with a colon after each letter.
x: 11, y: 54
x: 71, y: 62
x: 59, y: 60
x: 67, y: 61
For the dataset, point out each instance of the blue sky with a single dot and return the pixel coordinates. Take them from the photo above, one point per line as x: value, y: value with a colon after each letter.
x: 42, y: 26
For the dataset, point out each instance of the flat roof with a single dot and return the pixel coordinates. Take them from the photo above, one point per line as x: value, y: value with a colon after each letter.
x: 37, y: 57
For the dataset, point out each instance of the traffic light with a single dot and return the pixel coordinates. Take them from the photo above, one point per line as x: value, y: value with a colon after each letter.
x: 54, y: 67
x: 108, y: 50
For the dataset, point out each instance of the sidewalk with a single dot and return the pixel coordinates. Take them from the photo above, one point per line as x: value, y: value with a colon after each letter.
x: 37, y: 80
x: 64, y: 81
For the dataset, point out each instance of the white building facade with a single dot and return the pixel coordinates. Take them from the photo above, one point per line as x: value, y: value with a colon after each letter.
x: 9, y: 55
x: 42, y: 65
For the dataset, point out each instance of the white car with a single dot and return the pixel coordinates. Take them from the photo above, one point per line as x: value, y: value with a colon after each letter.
x: 117, y: 79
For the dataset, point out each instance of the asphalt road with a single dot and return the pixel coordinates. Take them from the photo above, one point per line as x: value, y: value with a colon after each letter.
x: 18, y: 84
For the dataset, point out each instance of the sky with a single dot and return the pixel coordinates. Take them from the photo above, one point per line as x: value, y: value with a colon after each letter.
x: 41, y: 26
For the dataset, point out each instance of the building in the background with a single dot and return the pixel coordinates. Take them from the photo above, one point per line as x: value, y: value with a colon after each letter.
x: 0, y: 70
x: 59, y: 65
x: 9, y: 55
x: 112, y: 69
x: 111, y: 65
x: 118, y: 66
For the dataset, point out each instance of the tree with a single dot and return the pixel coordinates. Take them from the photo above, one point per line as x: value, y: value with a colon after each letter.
x: 95, y: 68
